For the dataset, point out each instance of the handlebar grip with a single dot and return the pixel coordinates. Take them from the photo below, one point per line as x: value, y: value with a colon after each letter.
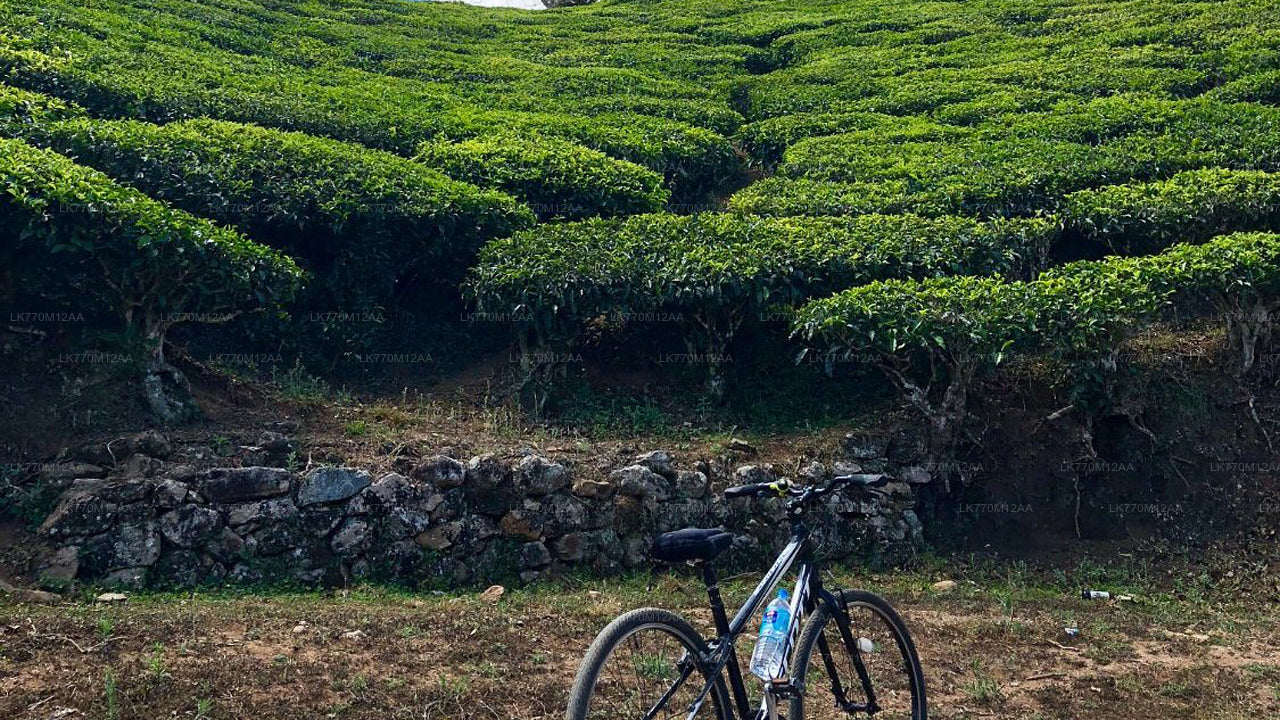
x: 862, y: 479
x: 746, y: 490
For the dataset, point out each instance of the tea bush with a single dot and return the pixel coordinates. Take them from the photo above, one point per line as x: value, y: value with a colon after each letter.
x: 873, y: 144
x: 556, y: 178
x: 361, y: 217
x: 937, y: 336
x: 23, y: 107
x: 1188, y: 207
x: 73, y: 233
x: 719, y: 270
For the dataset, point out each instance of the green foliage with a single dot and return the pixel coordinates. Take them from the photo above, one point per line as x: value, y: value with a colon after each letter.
x: 1083, y: 309
x: 23, y: 107
x: 1028, y: 163
x: 893, y: 131
x: 360, y: 220
x: 558, y: 179
x: 1188, y: 207
x: 1263, y: 87
x: 714, y: 270
x: 783, y: 196
x: 77, y: 232
x: 766, y: 140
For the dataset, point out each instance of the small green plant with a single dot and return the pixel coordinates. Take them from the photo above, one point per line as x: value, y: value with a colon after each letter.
x: 299, y: 385
x: 356, y: 428
x: 221, y: 445
x: 111, y: 695
x: 106, y: 626
x: 156, y: 667
x: 204, y: 708
x: 653, y: 667
x: 983, y: 688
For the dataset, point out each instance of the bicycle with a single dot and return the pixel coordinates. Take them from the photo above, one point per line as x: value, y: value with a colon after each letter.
x: 640, y: 665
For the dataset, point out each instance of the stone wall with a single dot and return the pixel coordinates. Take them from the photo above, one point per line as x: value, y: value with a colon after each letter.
x: 148, y: 514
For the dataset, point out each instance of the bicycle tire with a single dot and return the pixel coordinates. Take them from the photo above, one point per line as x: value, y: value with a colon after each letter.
x: 615, y: 633
x: 892, y: 620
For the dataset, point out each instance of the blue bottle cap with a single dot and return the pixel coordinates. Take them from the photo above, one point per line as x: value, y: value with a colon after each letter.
x: 782, y: 593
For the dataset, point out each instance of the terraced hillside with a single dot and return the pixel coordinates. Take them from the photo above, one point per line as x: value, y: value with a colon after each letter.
x: 936, y: 186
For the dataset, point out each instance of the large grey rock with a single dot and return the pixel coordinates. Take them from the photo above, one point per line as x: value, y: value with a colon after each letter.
x: 534, y: 556
x: 63, y: 566
x: 692, y: 484
x: 352, y: 539
x: 390, y: 490
x: 262, y: 512
x: 67, y: 471
x: 227, y: 546
x: 538, y: 476
x: 190, y: 525
x: 80, y: 514
x: 134, y: 577
x: 842, y: 467
x: 486, y: 472
x: 814, y: 472
x: 440, y: 537
x: 182, y: 568
x: 750, y: 474
x: 131, y: 545
x: 397, y: 508
x: 170, y: 494
x: 570, y: 547
x: 278, y: 538
x: 229, y: 485
x: 916, y: 475
x: 441, y: 471
x: 116, y: 490
x: 659, y: 462
x: 864, y: 447
x: 331, y: 484
x: 640, y: 481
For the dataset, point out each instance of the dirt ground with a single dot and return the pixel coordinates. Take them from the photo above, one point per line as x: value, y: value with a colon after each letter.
x: 994, y: 646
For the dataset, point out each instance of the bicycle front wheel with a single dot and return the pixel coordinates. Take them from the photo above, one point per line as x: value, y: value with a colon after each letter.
x: 645, y: 664
x: 862, y: 655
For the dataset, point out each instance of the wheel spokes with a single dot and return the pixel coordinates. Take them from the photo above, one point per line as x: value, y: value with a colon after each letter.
x: 840, y: 671
x: 650, y: 674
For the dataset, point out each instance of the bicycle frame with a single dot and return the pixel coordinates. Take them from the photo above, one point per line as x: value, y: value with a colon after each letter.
x: 722, y: 657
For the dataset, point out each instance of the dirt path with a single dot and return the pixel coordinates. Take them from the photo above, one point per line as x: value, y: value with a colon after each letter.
x: 989, y: 652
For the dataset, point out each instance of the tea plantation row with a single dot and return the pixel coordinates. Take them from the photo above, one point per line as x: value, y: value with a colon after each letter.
x: 918, y: 173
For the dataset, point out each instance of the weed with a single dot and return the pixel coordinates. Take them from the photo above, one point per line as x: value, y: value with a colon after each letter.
x: 156, y: 667
x: 111, y: 695
x: 983, y: 688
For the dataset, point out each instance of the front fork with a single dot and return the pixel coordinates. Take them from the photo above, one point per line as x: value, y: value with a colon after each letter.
x: 782, y: 689
x: 841, y: 616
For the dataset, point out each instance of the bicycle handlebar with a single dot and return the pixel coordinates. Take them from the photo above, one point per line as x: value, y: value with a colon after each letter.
x: 784, y: 488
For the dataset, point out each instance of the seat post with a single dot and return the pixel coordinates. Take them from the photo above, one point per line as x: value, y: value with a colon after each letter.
x: 722, y: 630
x: 713, y: 595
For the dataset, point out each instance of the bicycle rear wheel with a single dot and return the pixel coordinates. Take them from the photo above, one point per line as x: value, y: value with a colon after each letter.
x: 869, y: 666
x: 644, y: 664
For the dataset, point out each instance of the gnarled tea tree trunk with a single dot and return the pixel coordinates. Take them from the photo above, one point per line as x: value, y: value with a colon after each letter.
x: 944, y: 413
x: 1249, y: 324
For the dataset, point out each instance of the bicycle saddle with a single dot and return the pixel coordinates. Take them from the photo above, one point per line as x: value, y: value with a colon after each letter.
x: 690, y: 544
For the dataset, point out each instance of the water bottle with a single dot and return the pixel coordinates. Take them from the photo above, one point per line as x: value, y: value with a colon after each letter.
x: 766, y: 659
